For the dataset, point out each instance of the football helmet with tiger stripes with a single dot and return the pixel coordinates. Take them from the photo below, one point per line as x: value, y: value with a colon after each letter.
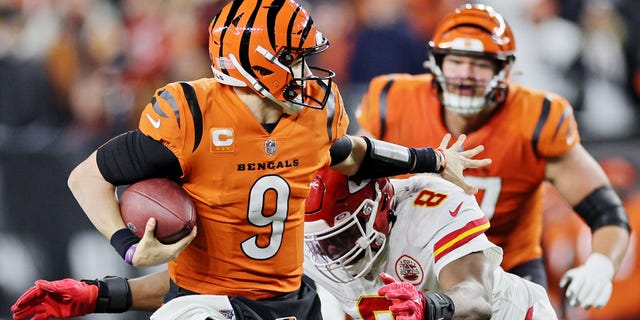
x: 264, y: 45
x: 347, y: 223
x: 473, y: 30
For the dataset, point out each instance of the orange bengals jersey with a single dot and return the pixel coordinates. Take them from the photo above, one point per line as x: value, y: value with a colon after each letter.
x: 248, y: 185
x: 529, y: 127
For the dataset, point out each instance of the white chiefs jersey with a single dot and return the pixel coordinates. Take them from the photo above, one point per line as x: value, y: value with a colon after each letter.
x: 437, y: 223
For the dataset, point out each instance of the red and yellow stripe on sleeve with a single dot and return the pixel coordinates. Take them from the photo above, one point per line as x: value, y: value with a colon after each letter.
x: 459, y: 237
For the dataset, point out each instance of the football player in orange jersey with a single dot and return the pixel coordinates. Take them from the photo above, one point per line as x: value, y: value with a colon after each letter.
x: 244, y: 145
x: 530, y: 135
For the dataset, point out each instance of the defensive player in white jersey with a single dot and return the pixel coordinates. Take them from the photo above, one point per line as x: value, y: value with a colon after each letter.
x: 423, y: 231
x: 424, y: 234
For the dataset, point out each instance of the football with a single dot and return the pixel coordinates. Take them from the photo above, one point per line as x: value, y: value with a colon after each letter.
x: 162, y: 199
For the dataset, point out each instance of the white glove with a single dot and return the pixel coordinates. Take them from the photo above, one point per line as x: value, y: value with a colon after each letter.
x: 589, y: 285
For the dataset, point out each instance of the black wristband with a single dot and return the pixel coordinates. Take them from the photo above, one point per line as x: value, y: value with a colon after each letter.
x: 425, y: 160
x: 439, y: 306
x: 114, y: 294
x: 122, y: 240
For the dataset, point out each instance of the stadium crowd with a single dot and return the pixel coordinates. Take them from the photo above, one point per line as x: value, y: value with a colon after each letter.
x: 78, y: 71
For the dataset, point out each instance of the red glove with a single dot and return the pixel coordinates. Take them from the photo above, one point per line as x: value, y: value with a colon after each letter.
x: 61, y: 299
x: 408, y: 303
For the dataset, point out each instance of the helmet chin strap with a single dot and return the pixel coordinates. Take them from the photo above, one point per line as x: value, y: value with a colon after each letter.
x: 226, y: 79
x: 289, y: 107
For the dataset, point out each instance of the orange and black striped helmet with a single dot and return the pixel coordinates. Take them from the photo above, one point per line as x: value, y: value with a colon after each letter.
x: 480, y: 31
x: 475, y: 29
x: 260, y: 44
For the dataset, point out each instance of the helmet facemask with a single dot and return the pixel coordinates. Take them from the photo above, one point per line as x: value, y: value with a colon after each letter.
x: 344, y: 245
x: 309, y: 86
x: 473, y: 30
x: 483, y: 93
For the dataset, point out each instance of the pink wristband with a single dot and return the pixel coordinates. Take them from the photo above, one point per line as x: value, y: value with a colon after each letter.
x: 128, y: 256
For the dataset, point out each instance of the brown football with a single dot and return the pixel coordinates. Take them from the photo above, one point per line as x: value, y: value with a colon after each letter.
x: 162, y: 199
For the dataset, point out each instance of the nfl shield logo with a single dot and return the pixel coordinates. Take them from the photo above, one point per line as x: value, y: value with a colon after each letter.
x: 270, y: 147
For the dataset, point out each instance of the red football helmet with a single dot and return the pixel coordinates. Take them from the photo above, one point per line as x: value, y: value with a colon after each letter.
x: 473, y: 30
x: 347, y: 223
x: 263, y: 45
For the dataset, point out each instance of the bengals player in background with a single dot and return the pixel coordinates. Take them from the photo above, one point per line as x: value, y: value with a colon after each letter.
x: 244, y: 145
x: 530, y: 135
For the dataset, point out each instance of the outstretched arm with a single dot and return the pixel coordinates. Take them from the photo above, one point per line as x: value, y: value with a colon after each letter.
x: 147, y: 293
x: 69, y: 298
x: 371, y: 158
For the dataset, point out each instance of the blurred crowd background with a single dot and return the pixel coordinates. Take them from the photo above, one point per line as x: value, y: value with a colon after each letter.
x: 76, y: 72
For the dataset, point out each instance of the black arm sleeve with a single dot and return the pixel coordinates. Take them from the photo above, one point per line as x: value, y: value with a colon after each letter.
x: 603, y: 207
x: 133, y: 156
x: 383, y: 159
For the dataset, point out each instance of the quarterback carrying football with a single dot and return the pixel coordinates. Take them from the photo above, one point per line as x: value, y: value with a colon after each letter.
x: 244, y: 145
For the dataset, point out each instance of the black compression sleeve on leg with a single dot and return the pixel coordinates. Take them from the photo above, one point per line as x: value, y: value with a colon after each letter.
x: 603, y: 207
x: 439, y: 306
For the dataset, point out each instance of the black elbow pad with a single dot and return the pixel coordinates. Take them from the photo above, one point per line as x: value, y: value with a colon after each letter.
x: 603, y: 207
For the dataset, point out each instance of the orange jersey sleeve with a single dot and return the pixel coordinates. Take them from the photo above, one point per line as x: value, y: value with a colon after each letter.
x: 529, y: 127
x: 392, y: 107
x: 556, y: 130
x: 248, y: 185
